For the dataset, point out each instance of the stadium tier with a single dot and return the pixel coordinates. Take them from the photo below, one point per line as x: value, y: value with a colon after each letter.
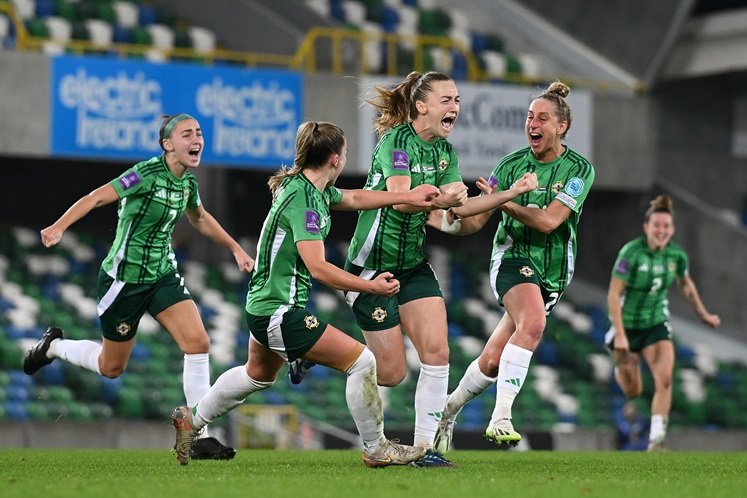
x: 571, y: 378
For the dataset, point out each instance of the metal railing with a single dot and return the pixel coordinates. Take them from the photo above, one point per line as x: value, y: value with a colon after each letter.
x: 323, y: 49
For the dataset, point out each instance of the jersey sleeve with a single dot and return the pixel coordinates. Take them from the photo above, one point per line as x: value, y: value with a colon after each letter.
x: 303, y: 220
x: 333, y: 195
x: 128, y: 183
x: 392, y: 161
x: 623, y: 264
x: 194, y: 195
x: 495, y: 180
x: 575, y: 190
x: 683, y: 265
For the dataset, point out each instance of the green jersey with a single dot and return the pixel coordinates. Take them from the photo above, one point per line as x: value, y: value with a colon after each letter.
x: 647, y: 275
x: 567, y: 179
x: 151, y: 201
x: 299, y: 212
x: 386, y: 239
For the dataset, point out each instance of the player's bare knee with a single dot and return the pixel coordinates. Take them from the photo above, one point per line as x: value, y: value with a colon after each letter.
x: 632, y: 392
x: 112, y: 372
x: 389, y: 378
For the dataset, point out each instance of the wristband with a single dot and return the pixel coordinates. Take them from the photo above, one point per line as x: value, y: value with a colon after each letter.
x: 447, y: 227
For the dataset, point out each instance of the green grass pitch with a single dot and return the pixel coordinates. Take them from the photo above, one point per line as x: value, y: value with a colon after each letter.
x: 341, y: 473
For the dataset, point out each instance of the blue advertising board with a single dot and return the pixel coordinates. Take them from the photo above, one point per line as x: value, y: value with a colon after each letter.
x: 112, y: 108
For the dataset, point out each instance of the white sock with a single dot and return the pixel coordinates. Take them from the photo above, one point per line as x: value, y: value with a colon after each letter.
x: 364, y: 403
x: 430, y: 399
x: 196, y: 379
x: 658, y: 429
x: 512, y: 373
x: 80, y: 353
x: 228, y: 392
x: 473, y: 383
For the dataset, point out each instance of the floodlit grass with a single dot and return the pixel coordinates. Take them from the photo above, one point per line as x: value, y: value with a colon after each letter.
x: 335, y: 473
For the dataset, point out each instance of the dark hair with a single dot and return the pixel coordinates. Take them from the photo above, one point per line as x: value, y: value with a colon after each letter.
x: 397, y: 105
x: 662, y: 204
x: 556, y: 93
x: 315, y: 143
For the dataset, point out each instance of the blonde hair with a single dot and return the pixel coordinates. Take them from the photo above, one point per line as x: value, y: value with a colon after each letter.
x: 315, y: 143
x: 556, y: 93
x: 397, y: 105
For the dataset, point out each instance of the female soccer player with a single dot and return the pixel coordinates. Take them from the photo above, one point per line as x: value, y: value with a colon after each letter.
x: 639, y: 311
x: 533, y: 258
x: 415, y: 119
x: 140, y: 273
x: 290, y: 253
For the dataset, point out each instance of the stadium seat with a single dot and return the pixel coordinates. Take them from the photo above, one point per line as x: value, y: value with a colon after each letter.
x: 126, y: 14
x: 146, y: 14
x: 355, y: 12
x: 101, y: 32
x: 59, y: 28
x: 45, y: 8
x: 321, y: 7
x: 37, y: 28
x: 25, y: 9
x: 161, y: 35
x: 66, y: 9
x: 202, y: 39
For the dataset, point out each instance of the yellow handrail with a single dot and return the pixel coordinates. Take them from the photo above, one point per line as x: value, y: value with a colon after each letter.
x: 306, y: 56
x: 322, y: 49
x: 305, y: 59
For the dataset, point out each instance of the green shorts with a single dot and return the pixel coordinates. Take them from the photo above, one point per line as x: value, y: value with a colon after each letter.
x: 122, y: 305
x: 290, y: 333
x: 638, y: 339
x: 374, y: 312
x: 515, y: 271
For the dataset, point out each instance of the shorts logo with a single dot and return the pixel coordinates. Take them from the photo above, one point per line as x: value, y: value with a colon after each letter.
x: 312, y: 221
x: 311, y: 322
x: 378, y: 314
x: 400, y: 160
x: 526, y: 271
x: 123, y: 328
x: 575, y: 187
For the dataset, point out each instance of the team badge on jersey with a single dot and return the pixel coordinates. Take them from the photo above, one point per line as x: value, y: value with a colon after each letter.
x: 123, y: 328
x: 129, y: 180
x: 557, y: 187
x: 379, y: 314
x: 312, y: 221
x: 575, y: 187
x: 443, y: 164
x: 311, y: 322
x: 526, y: 271
x: 400, y: 160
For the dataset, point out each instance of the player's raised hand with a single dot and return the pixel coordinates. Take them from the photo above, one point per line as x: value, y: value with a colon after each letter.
x: 526, y: 183
x: 485, y: 187
x: 51, y: 235
x: 452, y: 195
